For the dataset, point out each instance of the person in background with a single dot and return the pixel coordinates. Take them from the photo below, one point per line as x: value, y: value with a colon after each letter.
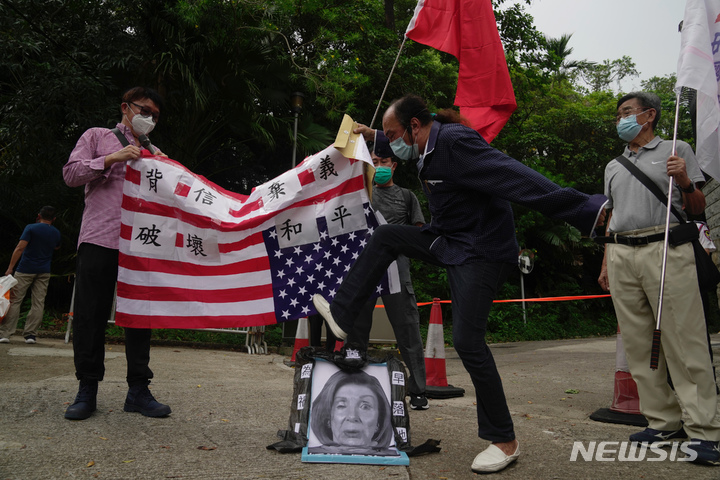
x: 97, y: 163
x: 33, y: 252
x: 398, y: 206
x: 316, y: 323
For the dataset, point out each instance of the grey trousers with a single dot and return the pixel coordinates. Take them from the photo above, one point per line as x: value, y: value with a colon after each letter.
x: 39, y: 283
x: 401, y: 309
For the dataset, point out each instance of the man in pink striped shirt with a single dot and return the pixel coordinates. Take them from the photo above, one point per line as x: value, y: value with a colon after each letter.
x: 98, y: 163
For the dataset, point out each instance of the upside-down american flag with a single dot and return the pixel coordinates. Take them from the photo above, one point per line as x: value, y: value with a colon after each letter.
x: 193, y: 255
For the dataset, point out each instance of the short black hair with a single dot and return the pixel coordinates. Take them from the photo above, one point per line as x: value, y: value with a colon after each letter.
x: 47, y: 212
x: 138, y: 93
x: 409, y: 107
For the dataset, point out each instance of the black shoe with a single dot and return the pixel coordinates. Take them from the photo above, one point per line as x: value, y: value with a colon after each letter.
x: 30, y: 339
x: 708, y: 452
x: 139, y: 399
x: 418, y: 402
x: 650, y: 435
x: 85, y: 401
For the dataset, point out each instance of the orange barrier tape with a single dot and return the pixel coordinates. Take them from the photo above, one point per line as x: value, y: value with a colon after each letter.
x: 544, y: 299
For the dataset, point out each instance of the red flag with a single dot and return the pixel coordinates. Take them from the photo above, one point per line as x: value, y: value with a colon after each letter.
x: 467, y: 30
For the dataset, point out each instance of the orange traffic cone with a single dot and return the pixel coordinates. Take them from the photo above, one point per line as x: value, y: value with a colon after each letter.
x: 625, y: 407
x: 302, y: 337
x: 436, y: 377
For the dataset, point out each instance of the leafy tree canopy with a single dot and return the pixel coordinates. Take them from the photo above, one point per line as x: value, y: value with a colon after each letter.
x: 227, y: 70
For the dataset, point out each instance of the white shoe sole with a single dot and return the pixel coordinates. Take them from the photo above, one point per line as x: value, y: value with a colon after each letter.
x: 323, y: 308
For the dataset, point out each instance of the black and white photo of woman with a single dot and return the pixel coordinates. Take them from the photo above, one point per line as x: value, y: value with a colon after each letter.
x: 352, y: 415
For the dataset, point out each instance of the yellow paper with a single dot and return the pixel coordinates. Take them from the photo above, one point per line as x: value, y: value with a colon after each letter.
x: 351, y: 145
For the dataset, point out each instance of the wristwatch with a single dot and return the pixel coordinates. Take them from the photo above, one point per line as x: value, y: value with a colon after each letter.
x: 690, y: 189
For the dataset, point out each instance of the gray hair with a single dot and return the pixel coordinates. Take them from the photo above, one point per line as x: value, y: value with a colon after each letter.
x: 646, y: 100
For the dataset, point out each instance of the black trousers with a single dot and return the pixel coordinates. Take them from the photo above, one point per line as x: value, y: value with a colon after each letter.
x: 97, y: 269
x: 473, y: 287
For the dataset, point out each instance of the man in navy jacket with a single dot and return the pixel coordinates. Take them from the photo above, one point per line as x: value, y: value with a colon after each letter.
x: 469, y: 186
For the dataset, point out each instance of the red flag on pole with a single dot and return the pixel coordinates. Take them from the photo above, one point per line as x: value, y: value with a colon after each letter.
x: 467, y: 30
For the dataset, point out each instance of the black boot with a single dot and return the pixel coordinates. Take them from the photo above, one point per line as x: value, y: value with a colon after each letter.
x: 85, y: 401
x: 139, y: 399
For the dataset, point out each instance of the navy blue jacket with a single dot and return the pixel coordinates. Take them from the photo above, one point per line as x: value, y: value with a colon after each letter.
x: 469, y: 186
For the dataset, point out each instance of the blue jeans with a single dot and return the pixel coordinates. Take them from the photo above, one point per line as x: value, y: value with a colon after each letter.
x: 473, y: 288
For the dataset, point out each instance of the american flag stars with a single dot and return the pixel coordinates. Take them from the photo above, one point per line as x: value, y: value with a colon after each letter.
x: 300, y: 271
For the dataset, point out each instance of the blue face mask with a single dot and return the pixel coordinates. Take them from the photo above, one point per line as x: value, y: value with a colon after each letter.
x: 628, y: 128
x: 404, y: 151
x: 383, y: 175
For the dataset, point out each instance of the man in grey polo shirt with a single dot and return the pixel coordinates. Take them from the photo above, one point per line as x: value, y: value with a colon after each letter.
x: 631, y: 271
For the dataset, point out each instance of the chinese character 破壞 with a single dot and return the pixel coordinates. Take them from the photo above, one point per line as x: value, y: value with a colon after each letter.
x: 194, y: 243
x: 149, y: 235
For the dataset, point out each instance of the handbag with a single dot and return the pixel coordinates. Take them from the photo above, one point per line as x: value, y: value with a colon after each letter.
x: 707, y: 272
x: 6, y: 284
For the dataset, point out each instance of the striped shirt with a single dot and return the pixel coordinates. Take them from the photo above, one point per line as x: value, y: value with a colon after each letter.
x: 103, y: 186
x: 469, y: 186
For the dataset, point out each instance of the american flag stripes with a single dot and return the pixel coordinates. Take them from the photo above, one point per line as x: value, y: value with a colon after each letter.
x: 193, y: 255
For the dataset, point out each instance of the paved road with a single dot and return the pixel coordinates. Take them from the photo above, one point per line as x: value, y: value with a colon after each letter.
x: 227, y: 407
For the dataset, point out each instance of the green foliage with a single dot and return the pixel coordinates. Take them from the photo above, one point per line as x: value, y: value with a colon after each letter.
x: 601, y: 76
x: 550, y: 320
x: 227, y: 70
x: 664, y: 88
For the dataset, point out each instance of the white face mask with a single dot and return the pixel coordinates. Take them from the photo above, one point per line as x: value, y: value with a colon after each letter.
x: 404, y: 151
x: 141, y: 125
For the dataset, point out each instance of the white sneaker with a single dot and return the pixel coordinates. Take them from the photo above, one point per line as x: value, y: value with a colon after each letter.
x: 323, y: 308
x: 4, y: 340
x: 492, y: 459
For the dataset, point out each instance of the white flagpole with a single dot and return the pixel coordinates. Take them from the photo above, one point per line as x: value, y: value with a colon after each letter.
x: 655, y: 353
x: 372, y: 122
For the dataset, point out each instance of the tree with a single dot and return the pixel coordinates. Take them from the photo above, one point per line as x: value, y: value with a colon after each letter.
x: 227, y: 69
x: 600, y: 76
x: 664, y: 87
x: 554, y: 59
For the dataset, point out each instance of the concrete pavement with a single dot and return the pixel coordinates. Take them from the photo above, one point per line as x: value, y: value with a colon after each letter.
x: 227, y: 407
